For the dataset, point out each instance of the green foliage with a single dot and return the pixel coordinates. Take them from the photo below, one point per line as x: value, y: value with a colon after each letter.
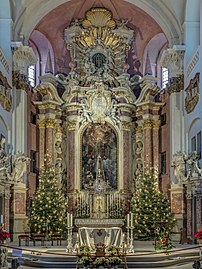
x: 151, y: 210
x: 163, y: 239
x: 101, y: 261
x: 48, y: 212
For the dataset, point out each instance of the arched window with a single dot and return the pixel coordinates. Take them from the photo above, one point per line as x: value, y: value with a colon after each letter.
x: 31, y: 75
x: 164, y: 77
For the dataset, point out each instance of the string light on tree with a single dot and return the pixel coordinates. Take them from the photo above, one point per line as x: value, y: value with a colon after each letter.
x: 151, y: 210
x: 48, y: 213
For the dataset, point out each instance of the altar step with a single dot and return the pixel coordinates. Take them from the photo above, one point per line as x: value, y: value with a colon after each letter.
x: 140, y: 261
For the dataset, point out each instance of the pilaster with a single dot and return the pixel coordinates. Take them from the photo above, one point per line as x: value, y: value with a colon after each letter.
x: 18, y: 210
x: 126, y: 155
x: 178, y: 207
x: 71, y: 127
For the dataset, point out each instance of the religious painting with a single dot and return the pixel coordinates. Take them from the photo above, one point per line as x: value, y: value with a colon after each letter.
x: 99, y: 157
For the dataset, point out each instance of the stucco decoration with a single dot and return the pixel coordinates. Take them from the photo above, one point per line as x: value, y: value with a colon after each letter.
x: 192, y: 94
x: 49, y: 92
x: 23, y: 57
x: 149, y: 89
x: 186, y: 167
x: 5, y: 93
x: 173, y: 59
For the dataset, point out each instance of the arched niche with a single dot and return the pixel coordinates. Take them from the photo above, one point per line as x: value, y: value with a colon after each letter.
x: 99, y: 156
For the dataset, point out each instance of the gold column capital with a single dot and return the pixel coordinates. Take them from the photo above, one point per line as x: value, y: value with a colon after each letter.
x: 156, y: 124
x: 126, y: 126
x: 50, y: 123
x: 41, y: 123
x: 71, y: 125
x: 59, y: 129
x: 147, y: 124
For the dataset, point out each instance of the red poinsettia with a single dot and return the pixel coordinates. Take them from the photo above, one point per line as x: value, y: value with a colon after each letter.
x: 3, y: 233
x: 198, y: 235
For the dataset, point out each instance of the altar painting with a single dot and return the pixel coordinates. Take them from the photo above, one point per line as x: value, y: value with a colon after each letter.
x: 99, y: 156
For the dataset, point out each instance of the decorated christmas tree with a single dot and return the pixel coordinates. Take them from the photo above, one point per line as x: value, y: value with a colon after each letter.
x: 152, y: 217
x: 48, y: 212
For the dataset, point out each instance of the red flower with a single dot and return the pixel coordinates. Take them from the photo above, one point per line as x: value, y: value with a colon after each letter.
x: 4, y: 235
x: 198, y: 235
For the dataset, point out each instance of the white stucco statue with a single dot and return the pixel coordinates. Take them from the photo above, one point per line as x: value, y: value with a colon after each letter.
x: 193, y: 169
x: 19, y: 167
x: 178, y: 163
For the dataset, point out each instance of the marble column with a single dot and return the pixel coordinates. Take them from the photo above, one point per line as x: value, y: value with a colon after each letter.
x: 126, y: 155
x: 148, y: 155
x: 50, y: 125
x: 71, y: 126
x: 7, y: 196
x: 41, y: 126
x: 155, y: 138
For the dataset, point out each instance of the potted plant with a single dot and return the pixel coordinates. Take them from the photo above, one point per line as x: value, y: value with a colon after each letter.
x: 84, y: 254
x: 163, y: 240
x: 114, y: 256
x: 115, y: 261
x: 85, y: 261
x: 198, y: 236
x: 4, y: 235
x: 101, y: 262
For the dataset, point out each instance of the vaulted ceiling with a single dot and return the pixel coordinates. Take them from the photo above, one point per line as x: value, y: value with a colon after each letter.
x: 53, y: 24
x: 50, y: 17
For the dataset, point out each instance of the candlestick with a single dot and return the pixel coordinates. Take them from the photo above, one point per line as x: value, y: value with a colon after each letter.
x: 71, y: 220
x: 77, y: 237
x: 131, y: 220
x: 67, y: 220
x: 128, y: 220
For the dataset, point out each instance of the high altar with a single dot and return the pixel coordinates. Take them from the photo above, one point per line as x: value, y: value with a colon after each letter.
x: 98, y: 123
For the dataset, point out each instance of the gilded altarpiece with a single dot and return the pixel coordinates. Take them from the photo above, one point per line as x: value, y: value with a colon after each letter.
x: 95, y: 123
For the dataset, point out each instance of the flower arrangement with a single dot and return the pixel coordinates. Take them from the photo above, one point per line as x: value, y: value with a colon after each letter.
x: 114, y: 256
x: 114, y: 261
x: 163, y: 240
x: 101, y: 261
x: 198, y: 235
x: 84, y: 250
x: 113, y: 250
x: 3, y: 233
x: 85, y: 261
x: 84, y: 253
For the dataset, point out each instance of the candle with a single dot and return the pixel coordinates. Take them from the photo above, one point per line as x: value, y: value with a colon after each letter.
x: 71, y: 220
x: 123, y: 238
x: 128, y: 220
x: 131, y: 219
x: 67, y: 220
x: 77, y: 237
x: 2, y: 219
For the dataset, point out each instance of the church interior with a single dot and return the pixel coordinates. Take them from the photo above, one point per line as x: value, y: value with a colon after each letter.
x: 100, y: 129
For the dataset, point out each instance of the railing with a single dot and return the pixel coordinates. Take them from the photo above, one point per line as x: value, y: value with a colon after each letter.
x: 91, y: 205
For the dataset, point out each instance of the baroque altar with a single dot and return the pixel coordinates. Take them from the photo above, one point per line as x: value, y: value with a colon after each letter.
x: 97, y: 131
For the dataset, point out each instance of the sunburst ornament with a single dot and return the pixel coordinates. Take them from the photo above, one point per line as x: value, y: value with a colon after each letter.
x: 99, y: 17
